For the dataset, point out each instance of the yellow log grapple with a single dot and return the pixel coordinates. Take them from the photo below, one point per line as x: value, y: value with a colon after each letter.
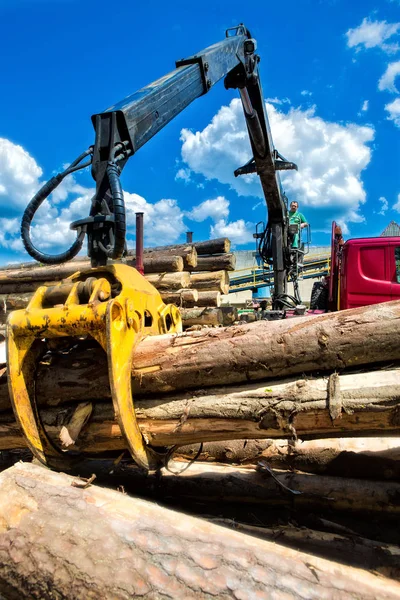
x: 116, y: 306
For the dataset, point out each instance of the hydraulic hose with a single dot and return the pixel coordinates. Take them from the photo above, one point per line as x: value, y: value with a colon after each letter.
x: 33, y: 206
x: 118, y: 209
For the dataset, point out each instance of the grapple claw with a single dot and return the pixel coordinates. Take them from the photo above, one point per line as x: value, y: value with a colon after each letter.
x: 116, y: 306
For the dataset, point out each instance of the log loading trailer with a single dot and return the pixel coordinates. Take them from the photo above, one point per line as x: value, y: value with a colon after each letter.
x: 113, y: 303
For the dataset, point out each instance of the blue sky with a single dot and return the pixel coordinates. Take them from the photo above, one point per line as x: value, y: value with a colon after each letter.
x: 328, y: 70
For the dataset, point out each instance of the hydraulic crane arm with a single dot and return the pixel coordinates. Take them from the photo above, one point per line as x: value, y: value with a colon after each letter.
x: 124, y: 128
x: 114, y: 304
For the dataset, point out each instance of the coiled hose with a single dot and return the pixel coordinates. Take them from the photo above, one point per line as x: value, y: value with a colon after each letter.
x: 33, y: 206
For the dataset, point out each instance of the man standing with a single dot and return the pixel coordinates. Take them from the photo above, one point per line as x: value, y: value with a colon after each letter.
x: 296, y: 218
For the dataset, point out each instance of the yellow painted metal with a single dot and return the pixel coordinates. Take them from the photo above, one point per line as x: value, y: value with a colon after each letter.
x: 116, y: 306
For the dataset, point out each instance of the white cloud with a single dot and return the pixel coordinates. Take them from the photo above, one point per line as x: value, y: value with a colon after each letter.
x: 183, y: 175
x: 384, y: 207
x: 239, y: 232
x: 19, y: 175
x: 215, y: 209
x: 373, y: 34
x: 20, y: 179
x: 387, y: 80
x: 163, y: 220
x: 306, y: 93
x: 364, y: 107
x: 396, y: 206
x: 330, y: 157
x: 393, y: 109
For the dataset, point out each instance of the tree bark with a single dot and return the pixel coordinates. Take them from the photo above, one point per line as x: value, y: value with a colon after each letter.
x: 73, y: 543
x: 370, y: 406
x: 188, y: 254
x: 225, y: 262
x: 268, y: 350
x: 217, y: 280
x: 209, y: 483
x: 209, y: 298
x: 169, y: 281
x: 185, y: 298
x: 353, y: 550
x: 365, y: 458
x: 201, y: 316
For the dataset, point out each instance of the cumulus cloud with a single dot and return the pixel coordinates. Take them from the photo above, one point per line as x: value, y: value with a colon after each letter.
x: 364, y: 107
x: 306, y: 93
x: 330, y: 157
x: 393, y: 109
x: 20, y: 178
x: 387, y: 81
x: 384, y: 205
x: 215, y: 209
x: 19, y: 175
x: 239, y: 232
x: 396, y: 206
x: 183, y: 175
x: 373, y: 34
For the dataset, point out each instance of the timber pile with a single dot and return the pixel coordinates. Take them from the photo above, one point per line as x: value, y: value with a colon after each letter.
x: 298, y: 420
x: 192, y: 276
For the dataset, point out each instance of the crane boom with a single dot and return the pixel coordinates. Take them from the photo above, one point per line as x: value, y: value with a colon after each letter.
x: 122, y: 129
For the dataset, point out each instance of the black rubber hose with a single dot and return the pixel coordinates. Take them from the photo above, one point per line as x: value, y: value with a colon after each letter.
x: 34, y: 204
x: 119, y: 211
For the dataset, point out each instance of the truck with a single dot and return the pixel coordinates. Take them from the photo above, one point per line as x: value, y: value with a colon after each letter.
x: 363, y: 271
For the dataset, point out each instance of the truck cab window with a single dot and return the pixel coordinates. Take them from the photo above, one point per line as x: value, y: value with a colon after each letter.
x: 397, y: 262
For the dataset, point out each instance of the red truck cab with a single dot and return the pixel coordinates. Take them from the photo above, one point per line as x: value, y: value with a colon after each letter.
x: 369, y: 272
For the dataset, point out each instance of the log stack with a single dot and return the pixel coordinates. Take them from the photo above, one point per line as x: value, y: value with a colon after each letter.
x: 284, y: 433
x: 192, y: 276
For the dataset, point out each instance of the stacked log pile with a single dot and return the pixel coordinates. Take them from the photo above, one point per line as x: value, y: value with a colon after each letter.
x: 282, y: 432
x: 192, y: 276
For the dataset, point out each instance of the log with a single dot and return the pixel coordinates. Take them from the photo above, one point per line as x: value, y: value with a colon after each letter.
x: 226, y: 262
x: 370, y: 406
x: 353, y: 550
x: 217, y: 280
x: 221, y: 484
x: 58, y: 540
x: 185, y: 298
x: 268, y: 350
x: 209, y: 298
x: 188, y: 254
x: 169, y: 281
x: 217, y: 246
x: 201, y: 316
x: 364, y: 458
x: 156, y: 264
x: 191, y: 298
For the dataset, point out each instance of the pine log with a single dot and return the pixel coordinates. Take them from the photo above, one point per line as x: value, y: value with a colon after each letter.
x: 365, y: 458
x: 185, y: 298
x: 169, y: 281
x: 217, y: 280
x: 63, y: 541
x: 209, y: 483
x: 353, y: 550
x: 267, y: 350
x: 209, y: 298
x: 370, y: 406
x: 226, y: 262
x: 188, y: 254
x: 217, y: 246
x: 201, y: 316
x: 156, y: 264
